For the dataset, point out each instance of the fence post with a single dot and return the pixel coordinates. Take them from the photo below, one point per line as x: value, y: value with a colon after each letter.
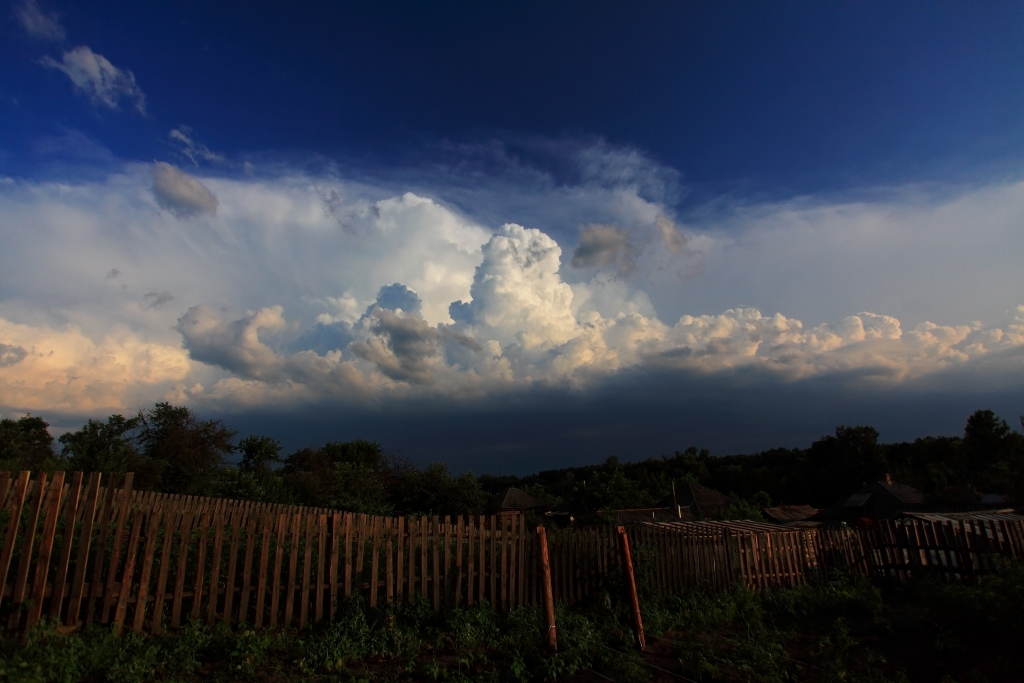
x: 634, y: 601
x: 549, y: 599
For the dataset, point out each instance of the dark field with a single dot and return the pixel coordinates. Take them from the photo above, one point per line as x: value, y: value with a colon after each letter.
x: 839, y: 631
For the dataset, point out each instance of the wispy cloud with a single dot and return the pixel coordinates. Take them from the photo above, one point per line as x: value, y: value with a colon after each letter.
x: 184, y: 139
x: 37, y: 23
x: 93, y: 75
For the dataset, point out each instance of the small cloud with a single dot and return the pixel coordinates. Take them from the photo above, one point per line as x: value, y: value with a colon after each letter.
x: 181, y: 194
x: 94, y: 75
x: 39, y: 24
x: 604, y: 245
x: 184, y: 138
x: 396, y: 297
x: 157, y: 299
x: 113, y: 274
x: 11, y: 355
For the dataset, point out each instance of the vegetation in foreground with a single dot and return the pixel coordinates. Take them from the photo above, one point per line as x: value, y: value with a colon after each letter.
x: 837, y: 631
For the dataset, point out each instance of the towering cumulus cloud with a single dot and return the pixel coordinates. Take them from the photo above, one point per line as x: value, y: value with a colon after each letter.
x: 394, y: 297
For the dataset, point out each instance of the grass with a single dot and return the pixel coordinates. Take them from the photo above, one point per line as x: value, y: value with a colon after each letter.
x: 846, y: 631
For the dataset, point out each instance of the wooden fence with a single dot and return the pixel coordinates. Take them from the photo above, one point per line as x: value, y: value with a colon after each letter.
x: 82, y: 553
x: 80, y: 550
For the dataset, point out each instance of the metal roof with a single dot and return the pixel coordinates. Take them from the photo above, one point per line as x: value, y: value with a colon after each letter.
x: 1007, y: 515
x: 732, y: 524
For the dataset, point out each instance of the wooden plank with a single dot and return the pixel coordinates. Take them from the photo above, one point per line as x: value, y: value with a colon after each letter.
x: 412, y: 527
x: 423, y: 558
x: 74, y: 491
x: 494, y: 561
x: 184, y: 541
x: 28, y: 544
x: 470, y: 556
x: 481, y: 558
x: 171, y: 521
x: 229, y: 583
x: 513, y: 546
x: 521, y: 567
x: 115, y: 554
x: 336, y: 531
x: 376, y: 529
x: 399, y: 559
x: 128, y: 572
x: 435, y: 528
x: 389, y: 571
x: 16, y: 505
x: 348, y: 554
x: 307, y: 568
x: 148, y: 555
x: 293, y: 568
x: 321, y: 559
x: 251, y: 530
x: 46, y: 541
x: 261, y: 579
x: 197, y: 589
x: 362, y: 530
x: 446, y: 565
x: 88, y: 515
x: 458, y: 561
x: 275, y: 593
x: 218, y: 545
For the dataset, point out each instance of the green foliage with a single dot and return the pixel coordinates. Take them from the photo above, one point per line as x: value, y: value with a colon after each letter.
x: 26, y: 444
x: 190, y: 451
x: 110, y: 446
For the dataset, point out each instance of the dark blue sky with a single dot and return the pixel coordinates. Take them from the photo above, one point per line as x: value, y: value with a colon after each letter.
x: 515, y: 235
x: 789, y: 97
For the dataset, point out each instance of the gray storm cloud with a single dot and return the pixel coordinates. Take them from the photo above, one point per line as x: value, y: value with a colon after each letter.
x: 180, y: 194
x: 10, y: 354
x: 603, y: 246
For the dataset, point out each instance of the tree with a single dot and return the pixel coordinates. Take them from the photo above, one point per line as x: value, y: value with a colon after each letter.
x: 109, y: 446
x: 436, y: 491
x: 26, y: 444
x: 840, y: 464
x: 350, y: 475
x: 191, y: 451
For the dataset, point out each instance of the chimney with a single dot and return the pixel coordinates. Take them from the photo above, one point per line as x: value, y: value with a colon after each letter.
x: 888, y: 478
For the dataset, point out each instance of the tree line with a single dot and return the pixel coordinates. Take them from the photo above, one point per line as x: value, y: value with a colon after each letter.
x: 171, y: 449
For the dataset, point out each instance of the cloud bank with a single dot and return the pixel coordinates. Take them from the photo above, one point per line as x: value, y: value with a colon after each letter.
x: 108, y: 301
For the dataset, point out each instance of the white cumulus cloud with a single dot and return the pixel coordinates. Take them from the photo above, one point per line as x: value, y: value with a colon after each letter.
x: 274, y: 302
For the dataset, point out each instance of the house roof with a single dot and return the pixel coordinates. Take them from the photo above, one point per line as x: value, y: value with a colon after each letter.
x: 877, y: 499
x: 706, y: 501
x: 905, y: 494
x: 517, y: 499
x: 786, y: 514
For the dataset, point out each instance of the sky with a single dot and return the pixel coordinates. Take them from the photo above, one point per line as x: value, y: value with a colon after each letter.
x: 515, y: 236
